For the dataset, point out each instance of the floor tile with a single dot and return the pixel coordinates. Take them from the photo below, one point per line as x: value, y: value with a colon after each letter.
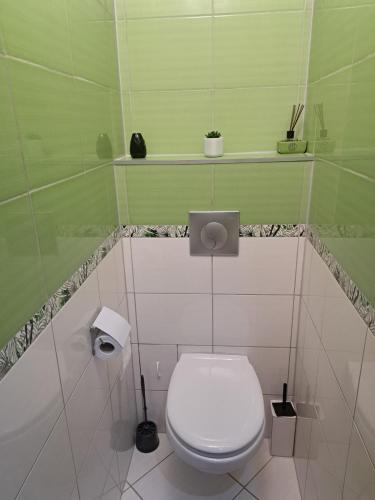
x: 174, y: 480
x: 254, y: 465
x: 144, y: 462
x: 130, y: 494
x: 245, y: 495
x: 277, y: 480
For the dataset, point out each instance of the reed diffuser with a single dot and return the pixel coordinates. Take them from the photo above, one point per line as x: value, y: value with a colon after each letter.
x: 292, y: 145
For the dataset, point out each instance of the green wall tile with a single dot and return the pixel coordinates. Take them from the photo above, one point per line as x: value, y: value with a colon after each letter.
x: 233, y: 6
x: 37, y: 31
x: 169, y: 53
x: 154, y: 8
x: 171, y: 122
x: 22, y: 289
x: 264, y: 193
x: 47, y: 117
x: 73, y: 218
x: 331, y: 49
x: 164, y: 194
x: 12, y: 171
x: 253, y: 119
x: 257, y: 49
x: 121, y: 193
x: 365, y: 38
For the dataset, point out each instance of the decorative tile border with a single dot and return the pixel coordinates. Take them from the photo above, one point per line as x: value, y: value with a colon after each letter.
x: 351, y: 290
x: 22, y: 340
x: 246, y: 231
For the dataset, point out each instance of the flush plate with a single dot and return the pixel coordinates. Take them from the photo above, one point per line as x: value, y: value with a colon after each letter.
x: 214, y: 233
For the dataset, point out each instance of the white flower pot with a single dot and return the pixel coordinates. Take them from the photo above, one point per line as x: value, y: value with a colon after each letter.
x: 213, y: 147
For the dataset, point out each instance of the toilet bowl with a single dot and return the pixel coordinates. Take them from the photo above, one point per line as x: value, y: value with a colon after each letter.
x: 215, y: 411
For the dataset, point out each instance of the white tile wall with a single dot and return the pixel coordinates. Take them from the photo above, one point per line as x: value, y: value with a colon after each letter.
x: 53, y: 474
x: 31, y: 390
x: 253, y: 320
x: 257, y: 269
x: 174, y: 318
x: 157, y: 362
x: 334, y: 457
x: 164, y: 265
x: 71, y: 328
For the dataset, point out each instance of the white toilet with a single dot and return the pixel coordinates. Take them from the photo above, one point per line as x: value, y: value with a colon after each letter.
x: 215, y: 411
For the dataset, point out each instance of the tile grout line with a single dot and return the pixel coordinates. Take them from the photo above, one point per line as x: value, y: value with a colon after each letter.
x: 152, y: 468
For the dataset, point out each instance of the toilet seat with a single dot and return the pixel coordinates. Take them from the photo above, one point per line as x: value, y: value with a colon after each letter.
x: 215, y: 411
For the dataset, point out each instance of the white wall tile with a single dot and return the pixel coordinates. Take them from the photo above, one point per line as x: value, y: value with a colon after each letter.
x: 360, y: 473
x: 299, y: 267
x: 174, y: 319
x: 257, y: 269
x: 203, y: 349
x: 301, y: 448
x: 52, y: 475
x: 128, y: 264
x: 132, y: 317
x: 296, y: 307
x: 164, y: 265
x: 343, y: 337
x: 31, y: 403
x: 270, y: 364
x: 111, y: 273
x: 365, y: 410
x: 252, y: 320
x: 150, y: 355
x: 292, y: 366
x: 71, y: 329
x: 156, y: 404
x: 86, y: 406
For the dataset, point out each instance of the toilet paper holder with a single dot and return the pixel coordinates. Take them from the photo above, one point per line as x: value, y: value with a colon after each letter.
x: 109, y: 334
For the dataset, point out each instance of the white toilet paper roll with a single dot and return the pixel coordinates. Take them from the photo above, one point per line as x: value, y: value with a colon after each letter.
x: 106, y: 347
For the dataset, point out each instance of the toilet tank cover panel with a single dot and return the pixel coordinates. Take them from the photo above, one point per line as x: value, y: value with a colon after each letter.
x: 215, y: 403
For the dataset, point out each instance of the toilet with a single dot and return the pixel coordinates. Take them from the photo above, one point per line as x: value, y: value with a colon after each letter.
x: 215, y: 411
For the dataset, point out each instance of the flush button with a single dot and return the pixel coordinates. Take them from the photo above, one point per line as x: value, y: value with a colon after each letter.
x: 214, y: 233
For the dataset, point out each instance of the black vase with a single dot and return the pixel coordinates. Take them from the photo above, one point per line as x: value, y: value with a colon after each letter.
x: 137, y: 146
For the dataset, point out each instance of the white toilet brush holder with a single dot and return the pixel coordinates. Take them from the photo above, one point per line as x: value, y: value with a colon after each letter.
x: 284, y: 418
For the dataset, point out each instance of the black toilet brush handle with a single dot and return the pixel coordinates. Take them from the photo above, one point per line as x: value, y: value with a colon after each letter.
x: 285, y: 394
x: 144, y: 397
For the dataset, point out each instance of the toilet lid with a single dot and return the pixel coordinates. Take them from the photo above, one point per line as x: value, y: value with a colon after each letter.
x: 215, y: 403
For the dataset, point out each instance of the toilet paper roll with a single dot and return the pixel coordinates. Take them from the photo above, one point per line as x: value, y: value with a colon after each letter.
x: 106, y: 347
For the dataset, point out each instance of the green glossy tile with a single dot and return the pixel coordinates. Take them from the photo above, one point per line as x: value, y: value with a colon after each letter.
x: 257, y: 49
x: 264, y: 193
x: 154, y: 8
x: 164, y: 194
x: 21, y: 283
x: 37, y: 31
x: 343, y: 209
x: 234, y: 6
x: 94, y: 123
x: 253, y: 119
x: 73, y: 218
x: 121, y: 193
x: 171, y: 122
x: 91, y: 10
x: 47, y: 118
x: 331, y: 49
x: 365, y: 32
x: 170, y: 53
x: 93, y: 48
x: 12, y: 171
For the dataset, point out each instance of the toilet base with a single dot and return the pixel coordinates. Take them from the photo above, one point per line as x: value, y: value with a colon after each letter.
x: 210, y: 463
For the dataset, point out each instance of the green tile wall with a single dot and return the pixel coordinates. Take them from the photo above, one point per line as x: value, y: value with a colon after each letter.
x: 233, y: 65
x: 341, y: 83
x: 164, y: 194
x: 58, y: 91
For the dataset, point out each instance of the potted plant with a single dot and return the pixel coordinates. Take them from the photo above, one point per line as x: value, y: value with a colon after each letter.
x: 213, y: 144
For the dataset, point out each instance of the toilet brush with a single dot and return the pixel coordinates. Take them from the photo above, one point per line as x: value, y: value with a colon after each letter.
x: 147, y: 439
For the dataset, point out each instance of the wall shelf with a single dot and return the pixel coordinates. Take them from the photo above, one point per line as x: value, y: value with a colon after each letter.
x: 261, y: 157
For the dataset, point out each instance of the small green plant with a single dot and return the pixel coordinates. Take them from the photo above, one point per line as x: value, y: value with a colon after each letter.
x: 214, y: 134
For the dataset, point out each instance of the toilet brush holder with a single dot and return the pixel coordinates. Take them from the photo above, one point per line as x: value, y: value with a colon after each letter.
x: 284, y: 418
x: 146, y: 439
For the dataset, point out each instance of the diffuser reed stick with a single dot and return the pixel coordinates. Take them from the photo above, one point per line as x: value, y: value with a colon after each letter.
x: 296, y: 114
